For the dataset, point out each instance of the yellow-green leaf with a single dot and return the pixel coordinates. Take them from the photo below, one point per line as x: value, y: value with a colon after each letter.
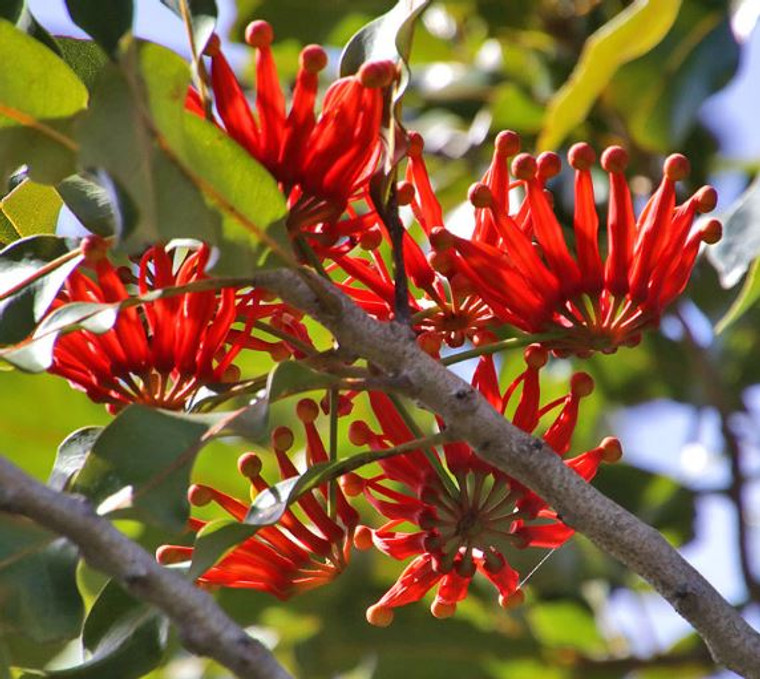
x: 32, y: 208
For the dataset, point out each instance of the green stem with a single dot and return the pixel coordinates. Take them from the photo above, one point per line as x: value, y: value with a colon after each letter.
x: 510, y: 343
x: 429, y: 451
x: 332, y: 489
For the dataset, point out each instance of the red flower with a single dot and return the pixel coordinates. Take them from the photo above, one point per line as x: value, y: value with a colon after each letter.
x: 471, y: 524
x: 159, y: 353
x: 520, y: 262
x: 306, y: 549
x: 320, y: 162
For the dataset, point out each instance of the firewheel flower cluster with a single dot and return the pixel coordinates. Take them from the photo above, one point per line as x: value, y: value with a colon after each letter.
x: 594, y: 284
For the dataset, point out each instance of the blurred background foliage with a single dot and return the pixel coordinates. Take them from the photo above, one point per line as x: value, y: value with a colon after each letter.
x: 685, y: 403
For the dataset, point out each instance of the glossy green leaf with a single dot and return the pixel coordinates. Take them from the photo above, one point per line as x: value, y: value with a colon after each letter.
x: 84, y: 57
x: 203, y: 15
x: 38, y: 589
x: 90, y: 203
x: 106, y: 23
x: 32, y: 208
x: 32, y: 271
x: 293, y: 377
x: 632, y: 33
x: 17, y: 12
x: 71, y: 456
x: 745, y: 300
x: 565, y: 624
x: 48, y: 151
x: 126, y: 637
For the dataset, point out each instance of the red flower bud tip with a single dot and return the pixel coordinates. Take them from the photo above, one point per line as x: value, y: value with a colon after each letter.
x: 371, y: 239
x: 313, y: 58
x: 375, y: 74
x: 307, y: 410
x: 249, y: 465
x: 440, y: 239
x: 466, y: 567
x: 379, y: 616
x: 442, y: 262
x: 507, y: 143
x: 615, y: 159
x: 231, y: 375
x: 481, y: 338
x: 416, y: 145
x: 612, y: 451
x: 359, y: 433
x: 707, y: 199
x: 94, y: 248
x: 462, y: 285
x: 536, y: 356
x: 168, y: 554
x: 213, y: 46
x: 282, y: 439
x: 712, y: 232
x: 259, y: 34
x: 363, y: 538
x: 548, y: 164
x: 633, y: 340
x: 581, y: 156
x: 405, y: 193
x: 279, y: 352
x: 513, y: 601
x: 581, y: 384
x: 480, y: 195
x: 442, y: 609
x: 676, y: 167
x: 524, y: 166
x: 352, y: 484
x: 430, y: 343
x: 199, y: 496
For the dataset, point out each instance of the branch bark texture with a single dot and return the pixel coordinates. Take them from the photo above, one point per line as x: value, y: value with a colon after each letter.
x: 203, y: 627
x: 731, y: 640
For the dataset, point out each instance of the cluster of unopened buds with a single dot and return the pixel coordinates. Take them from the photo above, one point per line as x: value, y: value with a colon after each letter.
x: 570, y: 291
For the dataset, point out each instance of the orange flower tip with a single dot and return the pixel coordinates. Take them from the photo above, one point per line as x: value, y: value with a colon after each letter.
x: 615, y: 159
x: 676, y: 167
x: 168, y: 554
x: 376, y: 74
x: 231, y: 374
x: 371, y: 239
x: 581, y: 384
x: 379, y: 615
x: 352, y: 484
x: 612, y: 451
x: 282, y: 439
x: 441, y: 239
x: 416, y: 145
x: 581, y: 156
x: 279, y: 352
x: 405, y: 193
x: 548, y: 165
x: 507, y: 143
x: 513, y: 600
x: 462, y: 285
x: 480, y: 196
x: 199, y: 496
x: 259, y: 34
x: 712, y: 232
x: 442, y: 262
x: 536, y: 356
x: 524, y: 166
x: 430, y: 343
x: 249, y: 465
x: 94, y: 248
x: 706, y: 198
x: 213, y: 46
x: 363, y: 538
x: 313, y: 58
x: 359, y: 433
x: 481, y: 338
x: 442, y: 609
x: 307, y: 410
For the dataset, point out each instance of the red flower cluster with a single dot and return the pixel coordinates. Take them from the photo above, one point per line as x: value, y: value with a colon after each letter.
x: 472, y: 523
x: 306, y: 549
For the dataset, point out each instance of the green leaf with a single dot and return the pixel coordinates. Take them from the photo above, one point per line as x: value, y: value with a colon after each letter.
x: 745, y: 300
x: 38, y: 593
x: 293, y: 377
x: 632, y: 33
x: 565, y: 624
x: 203, y: 15
x: 106, y: 23
x: 32, y: 208
x: 126, y: 637
x: 387, y: 37
x: 84, y: 57
x: 32, y: 271
x: 90, y: 203
x: 71, y: 456
x: 215, y: 540
x: 17, y: 12
x: 48, y: 152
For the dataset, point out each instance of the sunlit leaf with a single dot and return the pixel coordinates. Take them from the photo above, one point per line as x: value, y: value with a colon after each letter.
x: 633, y: 32
x: 565, y: 624
x: 745, y: 300
x: 32, y: 208
x: 71, y: 456
x: 84, y: 57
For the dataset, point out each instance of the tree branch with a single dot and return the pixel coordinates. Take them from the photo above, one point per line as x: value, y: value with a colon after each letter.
x: 203, y: 627
x: 469, y: 417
